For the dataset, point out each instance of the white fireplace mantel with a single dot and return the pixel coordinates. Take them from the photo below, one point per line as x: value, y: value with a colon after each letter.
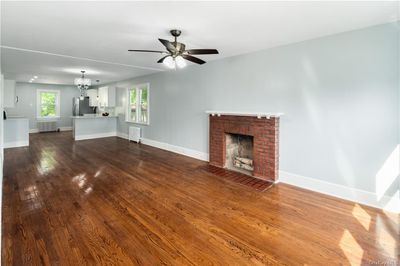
x: 256, y: 114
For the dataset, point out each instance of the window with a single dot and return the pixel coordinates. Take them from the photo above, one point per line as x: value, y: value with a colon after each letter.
x: 48, y: 103
x: 138, y: 104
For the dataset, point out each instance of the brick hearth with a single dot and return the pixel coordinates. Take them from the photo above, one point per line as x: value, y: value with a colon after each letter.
x: 265, y: 132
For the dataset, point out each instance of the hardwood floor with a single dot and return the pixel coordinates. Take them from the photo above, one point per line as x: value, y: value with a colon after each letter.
x: 110, y: 202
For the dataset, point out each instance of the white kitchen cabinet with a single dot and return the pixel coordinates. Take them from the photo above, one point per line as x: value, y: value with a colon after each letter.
x: 10, y: 97
x: 93, y: 94
x: 106, y: 96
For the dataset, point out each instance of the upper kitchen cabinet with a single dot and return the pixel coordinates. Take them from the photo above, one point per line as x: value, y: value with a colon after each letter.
x: 106, y: 96
x: 93, y: 97
x: 10, y: 97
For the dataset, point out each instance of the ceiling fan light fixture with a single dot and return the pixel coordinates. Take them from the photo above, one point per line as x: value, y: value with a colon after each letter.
x: 169, y: 62
x: 180, y: 61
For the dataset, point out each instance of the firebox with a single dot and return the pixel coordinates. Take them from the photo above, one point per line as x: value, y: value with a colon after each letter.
x: 239, y: 153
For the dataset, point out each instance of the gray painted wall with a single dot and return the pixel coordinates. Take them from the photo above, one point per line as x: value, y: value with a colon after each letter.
x: 26, y: 106
x: 339, y: 95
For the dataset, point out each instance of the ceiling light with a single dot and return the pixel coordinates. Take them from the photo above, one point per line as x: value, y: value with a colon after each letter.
x: 169, y: 62
x: 174, y: 62
x: 35, y: 77
x: 180, y: 62
x: 82, y: 82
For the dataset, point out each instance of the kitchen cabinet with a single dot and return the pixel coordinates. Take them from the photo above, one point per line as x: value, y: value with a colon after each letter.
x: 106, y: 96
x: 93, y: 97
x: 16, y: 132
x: 10, y: 97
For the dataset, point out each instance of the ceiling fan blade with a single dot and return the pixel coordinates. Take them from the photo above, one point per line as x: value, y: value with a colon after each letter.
x: 147, y: 51
x: 193, y: 59
x: 202, y: 51
x: 162, y: 59
x: 170, y: 47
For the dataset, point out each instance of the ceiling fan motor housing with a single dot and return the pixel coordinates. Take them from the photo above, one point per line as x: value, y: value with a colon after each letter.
x: 180, y: 48
x: 175, y: 33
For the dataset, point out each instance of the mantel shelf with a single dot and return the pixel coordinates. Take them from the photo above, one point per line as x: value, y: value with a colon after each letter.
x: 256, y: 114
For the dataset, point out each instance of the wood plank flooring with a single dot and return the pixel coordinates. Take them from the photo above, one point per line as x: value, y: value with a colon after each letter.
x: 110, y: 202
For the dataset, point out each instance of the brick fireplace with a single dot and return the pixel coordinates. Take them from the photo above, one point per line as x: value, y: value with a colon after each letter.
x: 264, y: 134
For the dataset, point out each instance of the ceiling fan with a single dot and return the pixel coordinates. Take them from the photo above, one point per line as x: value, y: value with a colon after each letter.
x: 176, y: 52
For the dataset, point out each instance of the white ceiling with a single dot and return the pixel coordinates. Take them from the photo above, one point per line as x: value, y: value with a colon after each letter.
x: 54, y: 40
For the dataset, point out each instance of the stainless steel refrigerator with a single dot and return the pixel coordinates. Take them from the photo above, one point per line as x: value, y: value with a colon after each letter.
x: 80, y: 106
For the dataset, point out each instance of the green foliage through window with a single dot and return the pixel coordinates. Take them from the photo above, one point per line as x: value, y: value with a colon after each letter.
x: 143, y: 105
x: 133, y: 103
x: 48, y: 101
x: 138, y: 104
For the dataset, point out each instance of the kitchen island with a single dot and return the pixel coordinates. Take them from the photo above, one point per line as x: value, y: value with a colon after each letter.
x: 16, y: 132
x: 94, y: 126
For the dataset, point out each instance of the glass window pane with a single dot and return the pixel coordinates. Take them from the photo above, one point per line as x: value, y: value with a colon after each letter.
x: 132, y: 104
x: 144, y: 105
x: 48, y: 104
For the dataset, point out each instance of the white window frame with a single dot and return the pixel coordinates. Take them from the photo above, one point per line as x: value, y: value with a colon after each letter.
x: 138, y: 101
x: 39, y: 104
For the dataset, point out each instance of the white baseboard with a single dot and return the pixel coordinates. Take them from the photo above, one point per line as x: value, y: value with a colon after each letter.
x: 35, y: 130
x: 15, y: 144
x: 65, y: 128
x: 360, y: 196
x: 96, y: 136
x: 177, y: 149
x: 122, y: 135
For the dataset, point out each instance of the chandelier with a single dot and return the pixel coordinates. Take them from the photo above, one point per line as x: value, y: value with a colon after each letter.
x: 82, y: 82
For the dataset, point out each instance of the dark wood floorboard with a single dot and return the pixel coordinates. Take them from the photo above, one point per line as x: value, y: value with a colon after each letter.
x: 110, y: 202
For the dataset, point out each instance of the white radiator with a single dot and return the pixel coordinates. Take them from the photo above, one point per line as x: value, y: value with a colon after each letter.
x: 47, y: 126
x: 134, y: 134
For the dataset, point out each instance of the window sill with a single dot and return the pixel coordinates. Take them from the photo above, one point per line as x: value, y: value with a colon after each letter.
x: 47, y: 118
x: 139, y: 123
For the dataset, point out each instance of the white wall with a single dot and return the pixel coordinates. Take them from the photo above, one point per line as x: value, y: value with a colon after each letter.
x: 26, y: 105
x: 339, y: 94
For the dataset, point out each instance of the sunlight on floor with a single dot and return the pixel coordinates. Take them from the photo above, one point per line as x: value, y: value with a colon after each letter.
x: 385, y: 238
x: 388, y: 173
x: 351, y: 249
x: 31, y: 198
x: 97, y: 173
x: 80, y: 180
x: 31, y: 193
x: 88, y: 190
x: 47, y: 163
x: 394, y: 217
x: 362, y: 216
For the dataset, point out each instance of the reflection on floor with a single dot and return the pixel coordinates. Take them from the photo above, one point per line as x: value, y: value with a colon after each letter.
x: 107, y: 201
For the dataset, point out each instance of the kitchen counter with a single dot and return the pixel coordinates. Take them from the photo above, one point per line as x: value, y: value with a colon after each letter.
x: 92, y: 116
x: 16, y: 117
x: 16, y: 132
x: 94, y: 126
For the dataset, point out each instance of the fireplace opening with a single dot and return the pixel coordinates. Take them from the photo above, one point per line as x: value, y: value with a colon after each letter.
x: 239, y: 153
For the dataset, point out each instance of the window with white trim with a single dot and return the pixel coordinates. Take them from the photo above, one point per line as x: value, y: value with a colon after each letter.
x: 138, y: 108
x: 48, y: 104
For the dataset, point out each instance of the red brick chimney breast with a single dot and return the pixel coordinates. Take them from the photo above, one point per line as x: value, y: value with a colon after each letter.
x: 265, y: 132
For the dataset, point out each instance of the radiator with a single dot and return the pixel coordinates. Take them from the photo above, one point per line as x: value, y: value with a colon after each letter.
x: 47, y: 126
x: 134, y: 134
